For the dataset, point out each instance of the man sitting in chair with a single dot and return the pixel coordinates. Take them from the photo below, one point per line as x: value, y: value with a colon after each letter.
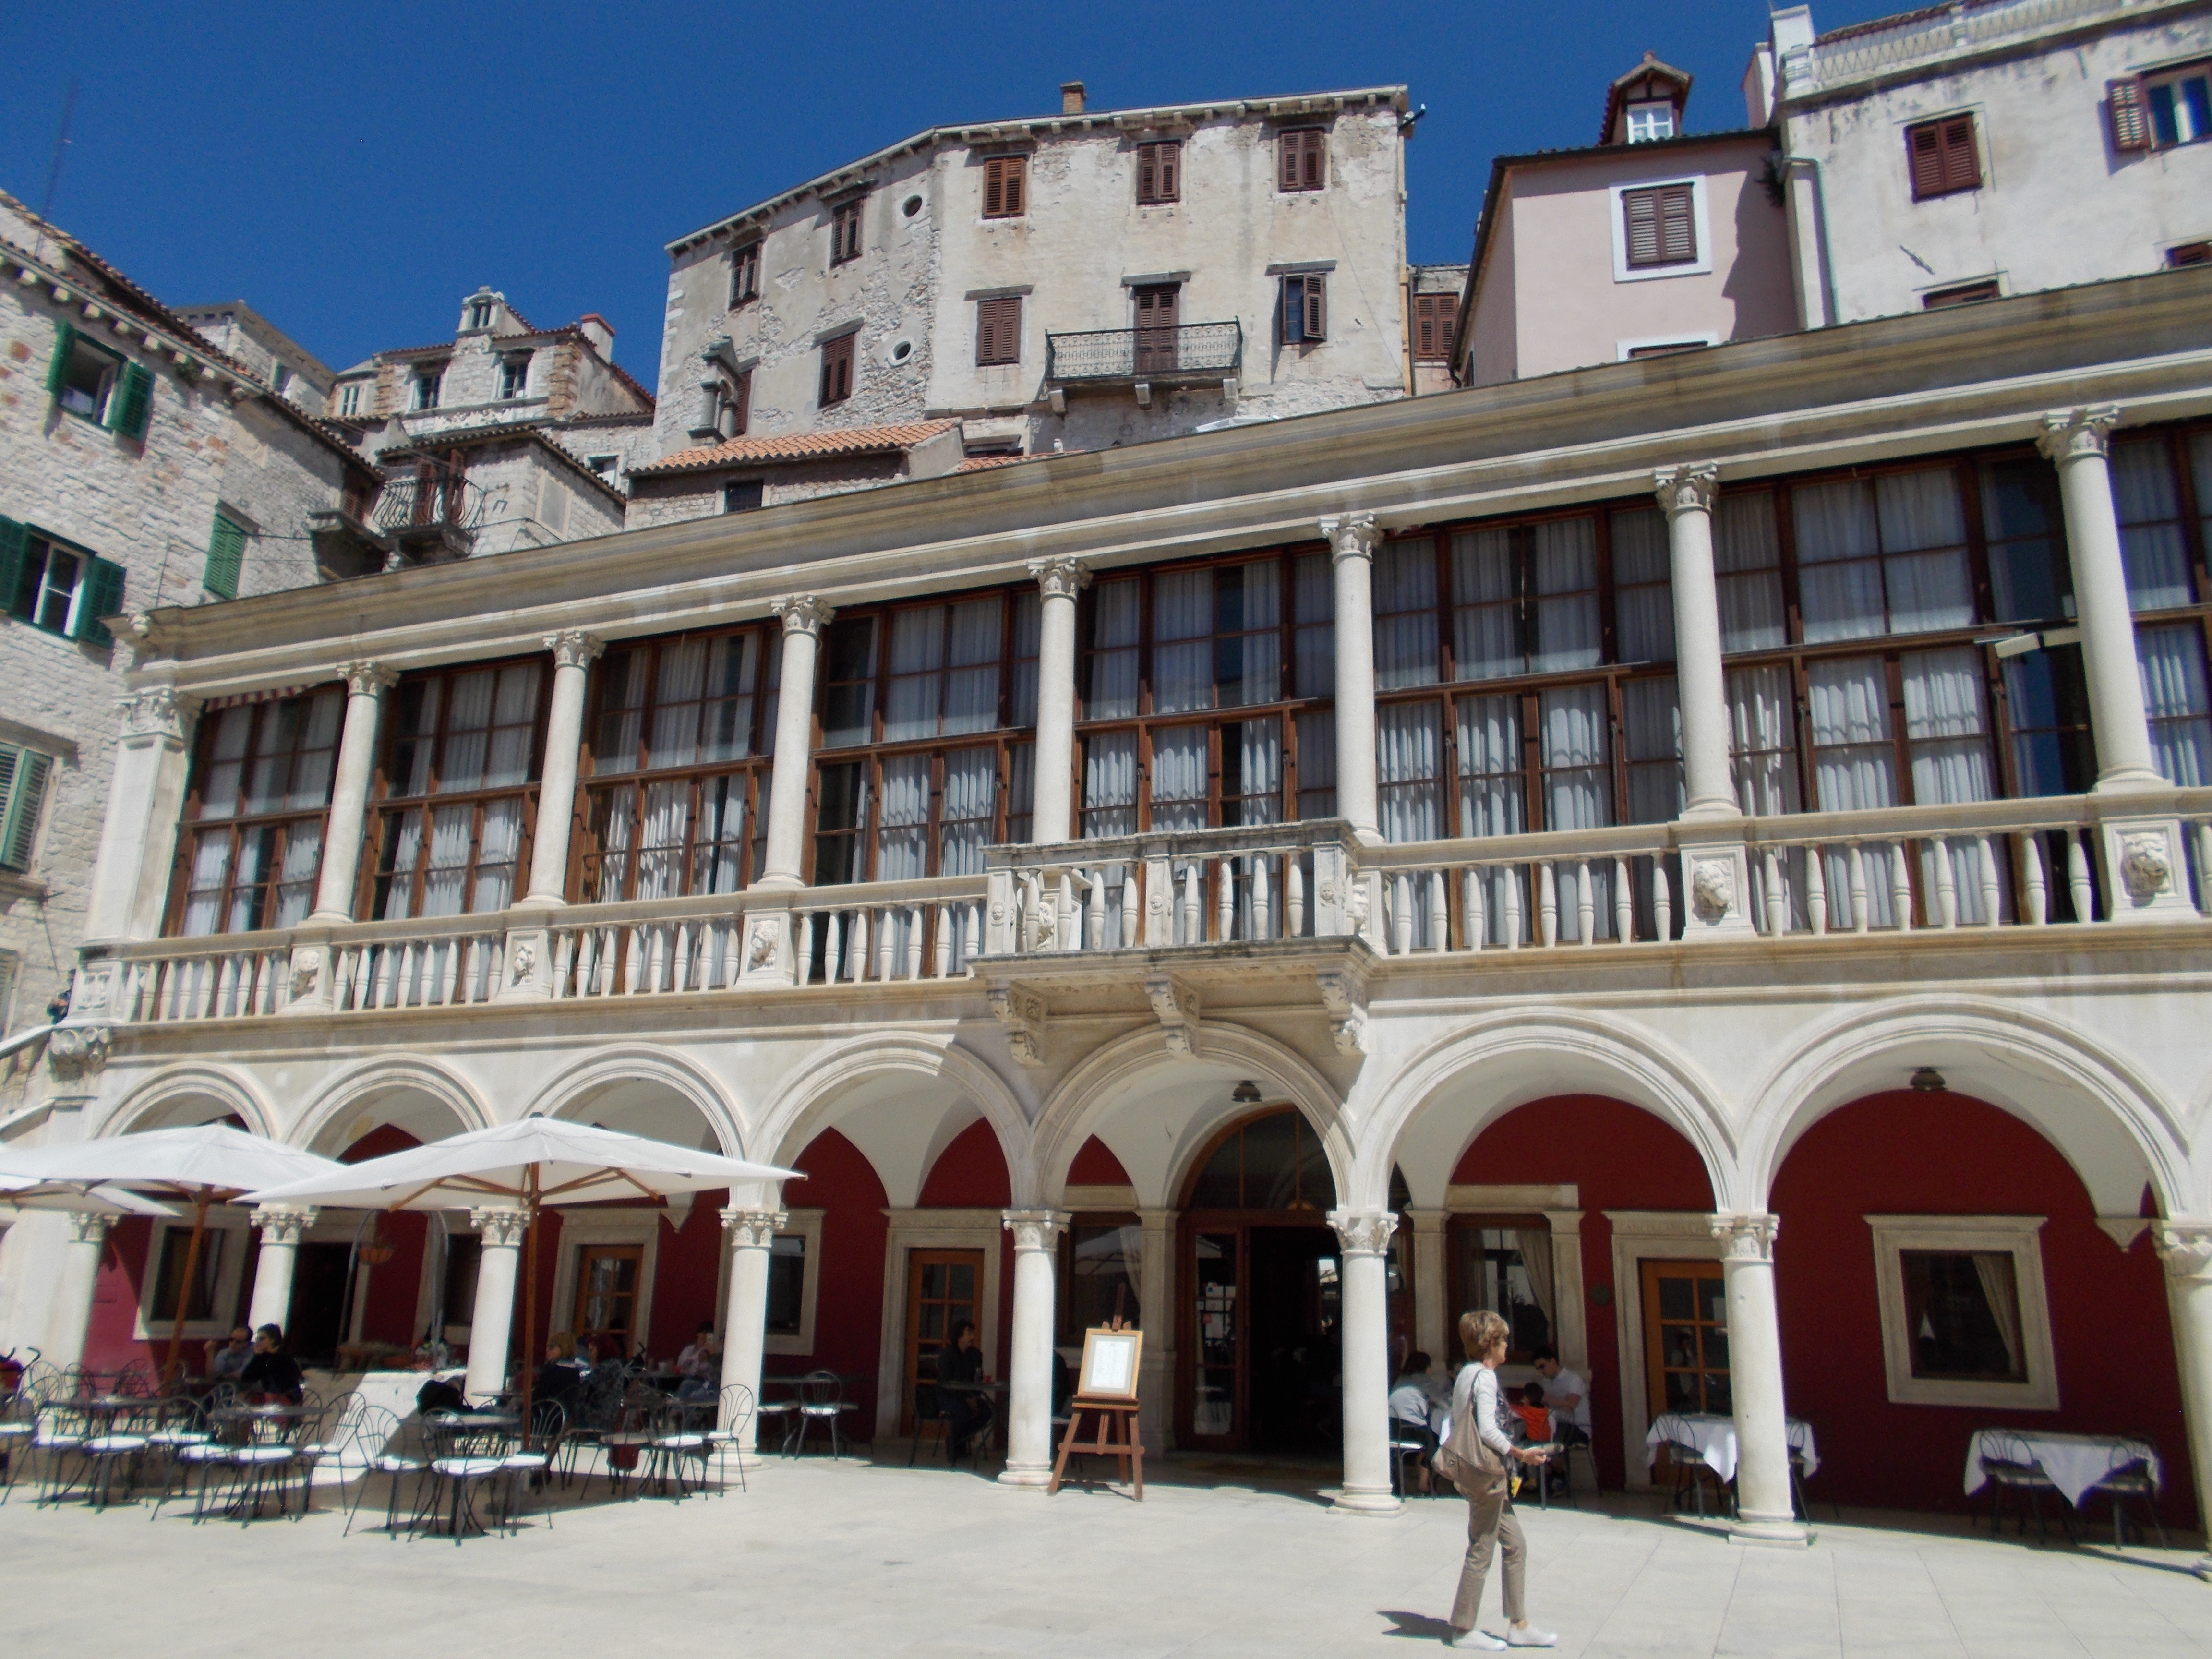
x: 1568, y: 1397
x: 967, y: 1410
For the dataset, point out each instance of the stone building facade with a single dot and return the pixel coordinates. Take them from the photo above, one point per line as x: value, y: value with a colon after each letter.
x: 1615, y: 850
x: 280, y: 362
x: 142, y: 468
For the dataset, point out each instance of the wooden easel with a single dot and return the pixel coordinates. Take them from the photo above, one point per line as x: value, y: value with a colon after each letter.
x: 1108, y: 1391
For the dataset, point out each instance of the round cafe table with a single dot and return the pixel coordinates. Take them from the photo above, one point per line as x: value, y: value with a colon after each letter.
x: 1714, y: 1437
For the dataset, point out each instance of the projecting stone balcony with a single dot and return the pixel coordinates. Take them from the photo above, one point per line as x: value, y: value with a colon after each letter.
x: 430, y: 516
x: 1188, y: 354
x: 1170, y: 916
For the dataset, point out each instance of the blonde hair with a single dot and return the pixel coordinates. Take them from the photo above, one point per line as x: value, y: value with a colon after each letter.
x: 1478, y: 1333
x: 563, y: 1344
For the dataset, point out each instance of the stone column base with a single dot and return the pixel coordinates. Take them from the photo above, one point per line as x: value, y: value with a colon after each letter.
x: 1790, y: 1534
x: 1357, y: 1501
x: 1030, y: 1477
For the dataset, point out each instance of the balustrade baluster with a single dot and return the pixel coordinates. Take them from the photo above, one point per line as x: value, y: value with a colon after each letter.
x: 1778, y: 901
x: 450, y: 971
x: 2035, y: 892
x: 1947, y: 882
x: 1094, y: 912
x: 1471, y: 897
x: 1435, y: 883
x: 856, y: 947
x: 1986, y: 862
x: 1816, y: 890
x: 2077, y: 877
x: 1401, y: 915
x: 1190, y: 933
x: 2205, y: 869
x: 833, y: 948
x: 940, y: 962
x: 386, y: 965
x: 680, y: 973
x: 1862, y: 907
x: 1900, y: 883
x: 1224, y: 900
x: 1064, y: 914
x: 887, y: 943
x: 1624, y: 904
x: 1547, y: 905
x: 1663, y: 899
x: 225, y: 985
x: 1585, y: 905
x: 1294, y: 896
x: 1261, y: 907
x: 564, y: 958
x: 1512, y: 929
x: 1130, y: 913
x: 915, y: 914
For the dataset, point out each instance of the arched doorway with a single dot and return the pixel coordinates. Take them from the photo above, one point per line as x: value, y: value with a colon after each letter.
x: 1260, y: 1331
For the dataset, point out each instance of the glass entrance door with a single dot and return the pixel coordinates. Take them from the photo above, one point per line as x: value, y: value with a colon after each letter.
x: 1686, y: 1344
x: 607, y: 1278
x: 944, y: 1290
x: 1217, y: 1276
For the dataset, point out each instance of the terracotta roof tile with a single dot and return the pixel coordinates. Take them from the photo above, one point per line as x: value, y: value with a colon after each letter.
x: 800, y: 447
x: 985, y: 462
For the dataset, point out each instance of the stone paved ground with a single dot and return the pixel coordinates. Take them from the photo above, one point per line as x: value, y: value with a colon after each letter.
x: 847, y: 1558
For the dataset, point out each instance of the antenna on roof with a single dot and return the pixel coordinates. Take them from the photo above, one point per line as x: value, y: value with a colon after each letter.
x: 54, y: 172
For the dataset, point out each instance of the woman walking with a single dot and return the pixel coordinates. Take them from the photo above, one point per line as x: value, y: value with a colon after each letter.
x: 1477, y: 1458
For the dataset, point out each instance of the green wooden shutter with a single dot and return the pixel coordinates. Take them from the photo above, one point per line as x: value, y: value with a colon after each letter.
x: 225, y: 558
x: 100, y: 595
x: 15, y: 545
x: 57, y: 365
x: 132, y: 401
x: 23, y: 774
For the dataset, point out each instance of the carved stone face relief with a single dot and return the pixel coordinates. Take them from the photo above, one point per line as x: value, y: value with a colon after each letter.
x: 525, y: 961
x: 1712, y: 888
x: 2143, y: 865
x: 761, y: 950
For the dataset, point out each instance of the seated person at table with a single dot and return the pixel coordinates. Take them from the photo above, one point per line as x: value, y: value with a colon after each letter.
x: 225, y: 1360
x: 700, y: 1364
x: 1411, y: 1398
x: 560, y: 1376
x: 967, y: 1411
x: 271, y: 1376
x: 1534, y: 1418
x: 1568, y: 1397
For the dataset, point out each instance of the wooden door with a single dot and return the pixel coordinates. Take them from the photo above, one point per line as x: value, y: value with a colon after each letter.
x: 944, y: 1292
x: 1686, y: 1351
x: 607, y: 1280
x: 1155, y: 329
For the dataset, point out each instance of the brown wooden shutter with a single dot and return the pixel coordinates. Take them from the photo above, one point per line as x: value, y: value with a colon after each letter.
x: 1286, y: 161
x: 1924, y: 148
x: 1316, y: 160
x: 1316, y: 308
x: 998, y: 330
x: 1148, y: 173
x: 1434, y: 317
x: 1171, y: 164
x: 1942, y: 157
x: 1641, y: 210
x: 1018, y: 169
x: 1962, y: 165
x: 2124, y: 106
x: 837, y: 369
x: 1677, y: 225
x: 994, y: 188
x: 1003, y: 178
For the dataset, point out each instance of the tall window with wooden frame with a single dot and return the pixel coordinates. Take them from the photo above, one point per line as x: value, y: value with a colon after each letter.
x: 1659, y: 226
x: 675, y: 795
x: 1305, y: 308
x: 2159, y: 111
x: 845, y: 230
x: 1942, y: 157
x: 1157, y: 342
x: 744, y: 275
x: 1006, y: 186
x: 924, y: 752
x: 459, y: 790
x: 1159, y: 173
x: 1504, y: 1263
x: 837, y: 368
x: 1436, y: 317
x: 1302, y: 159
x: 998, y: 330
x: 252, y: 844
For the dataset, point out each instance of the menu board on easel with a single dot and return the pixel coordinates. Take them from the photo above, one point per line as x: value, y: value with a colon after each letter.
x: 1106, y: 1393
x: 1109, y: 1364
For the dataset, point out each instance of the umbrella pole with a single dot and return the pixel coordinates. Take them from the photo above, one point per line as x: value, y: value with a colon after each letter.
x: 184, y: 1290
x: 529, y: 1297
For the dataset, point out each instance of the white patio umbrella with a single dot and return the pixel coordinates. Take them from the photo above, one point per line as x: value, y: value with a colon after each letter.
x: 207, y: 1162
x: 537, y: 1161
x: 28, y: 1193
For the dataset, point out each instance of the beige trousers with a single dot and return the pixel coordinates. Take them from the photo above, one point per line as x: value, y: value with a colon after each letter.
x: 1491, y: 1522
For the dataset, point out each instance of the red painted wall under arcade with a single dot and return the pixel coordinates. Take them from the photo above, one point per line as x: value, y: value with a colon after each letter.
x: 971, y: 1174
x: 687, y: 1266
x: 849, y: 1297
x: 1096, y: 1165
x: 394, y: 1288
x: 1620, y: 1158
x: 1903, y: 1153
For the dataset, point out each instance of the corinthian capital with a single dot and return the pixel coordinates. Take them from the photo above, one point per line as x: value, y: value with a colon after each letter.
x: 2070, y: 434
x: 159, y: 711
x: 367, y: 679
x: 1035, y: 1230
x: 572, y: 647
x: 1687, y: 489
x: 1364, y: 1232
x: 1060, y: 579
x: 1353, y: 536
x: 2186, y: 1247
x: 804, y: 613
x: 753, y: 1230
x: 88, y: 1227
x: 502, y: 1229
x: 1746, y: 1236
x: 282, y: 1225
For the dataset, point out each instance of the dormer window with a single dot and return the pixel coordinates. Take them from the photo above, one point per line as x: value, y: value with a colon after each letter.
x: 479, y: 313
x: 1651, y: 121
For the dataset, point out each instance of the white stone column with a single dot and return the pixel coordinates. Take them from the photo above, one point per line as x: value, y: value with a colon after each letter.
x: 1765, y: 1513
x: 71, y: 1312
x: 1432, y: 1333
x: 491, y: 1325
x: 1028, y: 1381
x: 1059, y: 580
x: 145, y: 799
x: 366, y: 683
x: 1156, y: 1317
x: 2186, y: 1246
x: 804, y: 619
x: 2076, y: 440
x: 1363, y: 1279
x: 752, y: 1235
x: 1351, y: 541
x: 281, y: 1229
x: 1686, y: 493
x: 573, y: 654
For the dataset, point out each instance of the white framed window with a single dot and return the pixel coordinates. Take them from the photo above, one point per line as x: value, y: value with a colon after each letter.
x: 349, y: 399
x: 427, y: 387
x: 1964, y: 1319
x: 513, y: 377
x: 1667, y: 238
x: 2180, y: 106
x: 215, y: 1300
x: 1649, y: 120
x: 794, y: 1283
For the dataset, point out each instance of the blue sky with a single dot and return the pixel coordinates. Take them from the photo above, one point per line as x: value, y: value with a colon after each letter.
x: 351, y: 170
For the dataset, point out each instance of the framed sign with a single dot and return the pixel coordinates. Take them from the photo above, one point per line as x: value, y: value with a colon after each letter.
x: 1109, y: 1364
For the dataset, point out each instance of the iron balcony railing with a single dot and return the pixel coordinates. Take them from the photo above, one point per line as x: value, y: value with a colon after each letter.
x: 1192, y: 350
x: 428, y: 500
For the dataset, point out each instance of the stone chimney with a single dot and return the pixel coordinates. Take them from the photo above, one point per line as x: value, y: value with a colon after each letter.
x: 600, y: 332
x: 1071, y: 97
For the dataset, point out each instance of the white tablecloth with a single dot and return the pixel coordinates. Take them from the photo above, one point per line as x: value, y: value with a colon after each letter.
x: 2074, y: 1462
x: 1714, y: 1438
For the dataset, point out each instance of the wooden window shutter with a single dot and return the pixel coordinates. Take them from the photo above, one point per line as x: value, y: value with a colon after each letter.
x: 1316, y: 302
x: 837, y: 369
x: 57, y: 365
x: 998, y: 330
x: 1017, y: 175
x: 1942, y: 157
x: 99, y: 593
x: 225, y: 558
x: 2124, y: 107
x: 994, y: 187
x: 1434, y: 317
x: 132, y: 403
x: 23, y: 776
x: 1148, y: 173
x: 1925, y: 148
x: 1303, y: 160
x: 1286, y: 161
x: 1313, y: 159
x: 1677, y: 225
x: 14, y: 544
x: 1640, y: 209
x: 1962, y: 167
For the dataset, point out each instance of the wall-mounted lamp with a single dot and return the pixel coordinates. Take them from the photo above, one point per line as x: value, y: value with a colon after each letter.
x: 1928, y: 1080
x: 1246, y: 1093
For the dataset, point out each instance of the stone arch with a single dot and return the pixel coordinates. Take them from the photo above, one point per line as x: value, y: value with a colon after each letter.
x: 142, y: 1107
x: 808, y: 1104
x: 2036, y: 1068
x: 1089, y: 1095
x: 569, y: 1094
x: 364, y: 1084
x: 1527, y: 1056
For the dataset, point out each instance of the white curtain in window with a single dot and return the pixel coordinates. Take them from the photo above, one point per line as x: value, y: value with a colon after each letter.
x: 1179, y: 778
x: 406, y: 854
x: 901, y: 850
x: 1112, y: 693
x: 1578, y: 793
x: 1924, y: 538
x: 971, y: 788
x: 254, y: 851
x: 917, y: 656
x: 462, y: 765
x: 1259, y: 745
x: 623, y: 716
x: 413, y: 756
x: 1644, y: 592
x: 1317, y: 764
x: 516, y: 712
x: 1748, y: 565
x: 1946, y: 729
x: 1994, y: 1269
x: 445, y: 884
x: 732, y: 673
x: 971, y: 686
x: 1257, y: 596
x: 1406, y: 615
x: 613, y: 810
x: 1651, y: 721
x: 682, y: 684
x: 2171, y: 661
x: 219, y: 791
x: 1021, y: 791
x: 1029, y: 625
x: 1109, y: 785
x: 1485, y: 594
x: 2151, y: 543
x: 1563, y: 562
x: 1182, y: 641
x: 1490, y: 782
x: 660, y: 847
x: 1313, y: 591
x: 1409, y: 767
x: 303, y: 858
x: 210, y: 863
x: 1534, y: 1244
x: 497, y: 857
x: 716, y: 853
x: 1854, y: 769
x: 1763, y: 739
x: 311, y: 778
x: 1838, y: 564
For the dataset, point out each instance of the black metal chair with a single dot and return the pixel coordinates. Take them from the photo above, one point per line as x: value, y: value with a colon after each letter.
x: 2011, y: 1467
x: 376, y: 1435
x: 1410, y: 1443
x: 822, y: 1399
x: 2129, y: 1482
x: 1690, y: 1473
x: 929, y: 1414
x: 733, y: 1409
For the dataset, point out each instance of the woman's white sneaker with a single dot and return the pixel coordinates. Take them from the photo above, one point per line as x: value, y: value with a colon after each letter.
x: 1477, y: 1637
x: 1527, y: 1636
